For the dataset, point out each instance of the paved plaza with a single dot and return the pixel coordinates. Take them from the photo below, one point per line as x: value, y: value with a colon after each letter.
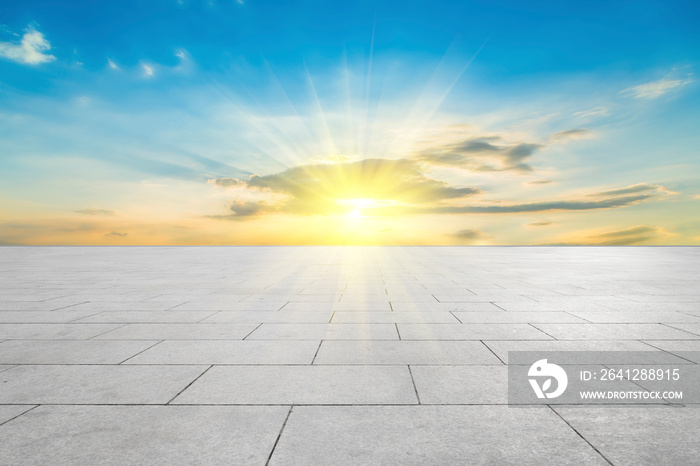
x: 330, y: 355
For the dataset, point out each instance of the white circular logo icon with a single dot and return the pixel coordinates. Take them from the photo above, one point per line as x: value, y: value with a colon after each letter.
x: 542, y: 370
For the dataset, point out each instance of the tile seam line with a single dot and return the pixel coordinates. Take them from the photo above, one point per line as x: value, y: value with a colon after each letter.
x: 539, y: 329
x: 142, y: 351
x: 316, y: 353
x: 493, y: 352
x: 19, y: 415
x: 274, y: 446
x: 413, y: 382
x: 104, y: 333
x: 580, y: 435
x: 189, y: 385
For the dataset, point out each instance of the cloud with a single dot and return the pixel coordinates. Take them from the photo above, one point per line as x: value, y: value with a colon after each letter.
x: 610, y: 199
x: 654, y: 89
x: 537, y: 182
x: 112, y: 65
x: 389, y: 187
x: 470, y: 236
x: 228, y: 182
x: 633, y: 189
x: 116, y: 233
x: 148, y: 70
x: 540, y: 224
x: 632, y: 235
x: 545, y: 206
x: 322, y: 188
x: 597, y: 111
x: 30, y: 50
x: 481, y: 154
x: 578, y: 133
x: 246, y: 210
x: 95, y: 211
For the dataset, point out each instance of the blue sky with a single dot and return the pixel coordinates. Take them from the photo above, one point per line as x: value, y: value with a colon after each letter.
x: 120, y: 119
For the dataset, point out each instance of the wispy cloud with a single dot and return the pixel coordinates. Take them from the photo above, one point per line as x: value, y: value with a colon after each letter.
x: 95, y: 211
x: 578, y: 133
x: 654, y: 89
x: 592, y: 112
x: 482, y: 154
x: 470, y: 236
x: 632, y: 235
x: 540, y: 224
x: 31, y: 49
x: 537, y: 182
x: 633, y: 189
x: 147, y: 70
x: 116, y: 233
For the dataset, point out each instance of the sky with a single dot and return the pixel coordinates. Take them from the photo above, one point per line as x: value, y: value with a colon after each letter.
x: 389, y: 122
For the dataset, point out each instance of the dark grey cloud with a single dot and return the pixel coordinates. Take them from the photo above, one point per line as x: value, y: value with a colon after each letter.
x: 469, y: 236
x: 545, y: 206
x: 482, y: 154
x: 633, y: 235
x: 245, y: 209
x: 540, y: 182
x: 228, y: 182
x: 636, y: 188
x: 540, y: 224
x: 571, y: 134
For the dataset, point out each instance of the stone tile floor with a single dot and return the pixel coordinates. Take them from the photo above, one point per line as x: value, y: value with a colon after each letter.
x: 330, y: 355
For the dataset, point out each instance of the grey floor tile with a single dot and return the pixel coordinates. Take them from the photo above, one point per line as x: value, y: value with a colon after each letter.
x: 483, y: 298
x: 122, y: 304
x: 581, y: 305
x: 309, y: 306
x: 131, y: 317
x: 362, y: 306
x: 41, y: 317
x: 8, y: 412
x: 419, y: 435
x: 630, y: 317
x: 70, y: 351
x: 302, y: 385
x: 325, y: 332
x: 470, y: 332
x: 404, y: 352
x: 444, y: 307
x: 33, y: 305
x: 229, y: 352
x: 95, y: 384
x: 693, y: 328
x: 230, y: 306
x: 639, y: 436
x: 53, y: 331
x: 283, y: 316
x: 658, y: 306
x: 501, y: 348
x: 688, y: 349
x: 461, y: 384
x: 614, y: 332
x: 524, y: 317
x: 153, y: 435
x: 179, y: 332
x: 438, y: 317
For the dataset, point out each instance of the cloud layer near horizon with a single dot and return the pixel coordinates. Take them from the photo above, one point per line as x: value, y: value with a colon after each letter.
x: 386, y: 187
